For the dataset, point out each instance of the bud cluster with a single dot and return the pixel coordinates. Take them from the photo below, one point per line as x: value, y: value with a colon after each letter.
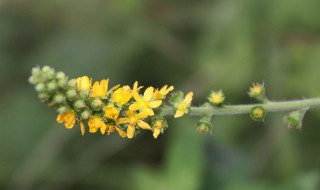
x: 120, y: 108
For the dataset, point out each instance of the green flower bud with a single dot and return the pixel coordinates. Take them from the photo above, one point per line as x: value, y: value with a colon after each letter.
x: 33, y: 80
x: 46, y: 69
x: 44, y: 96
x: 79, y: 104
x: 63, y: 83
x: 59, y: 98
x: 52, y: 86
x: 204, y: 125
x: 36, y: 72
x: 41, y: 87
x: 73, y: 83
x: 60, y: 75
x: 258, y: 113
x: 71, y: 94
x: 84, y: 94
x: 294, y: 119
x: 62, y: 109
x: 96, y: 104
x: 257, y: 91
x: 51, y: 74
x: 85, y: 114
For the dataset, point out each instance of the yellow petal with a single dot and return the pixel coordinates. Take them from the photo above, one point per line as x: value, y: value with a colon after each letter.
x: 82, y: 128
x: 60, y: 118
x: 143, y: 125
x: 115, y: 87
x: 123, y: 120
x: 103, y: 129
x: 156, y: 133
x: 142, y: 114
x: 163, y: 89
x: 169, y: 89
x: 148, y: 93
x: 178, y: 114
x: 69, y: 125
x: 136, y: 96
x: 130, y: 131
x: 121, y: 133
x: 104, y: 83
x: 155, y: 104
x: 130, y: 113
x: 148, y: 111
x: 188, y: 98
x: 135, y: 106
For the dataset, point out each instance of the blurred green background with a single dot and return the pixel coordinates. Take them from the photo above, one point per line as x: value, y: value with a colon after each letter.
x: 195, y: 45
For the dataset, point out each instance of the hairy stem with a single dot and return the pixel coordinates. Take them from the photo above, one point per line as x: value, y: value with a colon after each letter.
x: 245, y: 109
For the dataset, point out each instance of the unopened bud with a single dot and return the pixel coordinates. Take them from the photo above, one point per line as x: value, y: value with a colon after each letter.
x: 52, y: 86
x: 258, y: 113
x: 73, y: 83
x: 62, y: 109
x: 84, y: 94
x: 59, y: 98
x: 85, y: 114
x: 204, y: 125
x: 294, y: 119
x: 44, y: 96
x: 60, y: 75
x: 79, y: 104
x: 63, y: 83
x: 40, y: 87
x: 71, y: 94
x: 33, y: 80
x: 96, y: 104
x: 36, y: 72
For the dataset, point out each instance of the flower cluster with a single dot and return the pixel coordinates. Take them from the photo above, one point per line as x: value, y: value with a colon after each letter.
x: 96, y: 107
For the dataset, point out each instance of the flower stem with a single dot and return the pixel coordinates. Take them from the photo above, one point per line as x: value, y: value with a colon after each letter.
x: 245, y: 109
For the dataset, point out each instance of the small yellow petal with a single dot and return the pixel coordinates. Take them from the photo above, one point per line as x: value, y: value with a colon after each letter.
x: 121, y: 133
x: 144, y: 125
x: 156, y: 132
x: 60, y: 118
x: 123, y: 120
x: 82, y: 128
x: 148, y: 93
x: 188, y: 97
x: 130, y: 131
x: 136, y: 96
x: 178, y: 114
x: 135, y: 106
x: 155, y: 104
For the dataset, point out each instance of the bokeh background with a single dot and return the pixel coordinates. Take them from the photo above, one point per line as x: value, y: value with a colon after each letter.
x: 195, y: 45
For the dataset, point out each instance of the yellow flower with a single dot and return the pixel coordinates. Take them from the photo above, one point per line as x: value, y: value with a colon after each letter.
x: 122, y: 95
x: 82, y: 128
x: 160, y: 94
x: 111, y: 112
x: 68, y: 118
x: 183, y: 106
x: 256, y: 90
x: 84, y: 83
x: 112, y: 127
x: 158, y: 125
x: 99, y: 89
x: 145, y: 103
x: 133, y: 120
x: 95, y: 123
x: 216, y: 98
x: 136, y: 87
